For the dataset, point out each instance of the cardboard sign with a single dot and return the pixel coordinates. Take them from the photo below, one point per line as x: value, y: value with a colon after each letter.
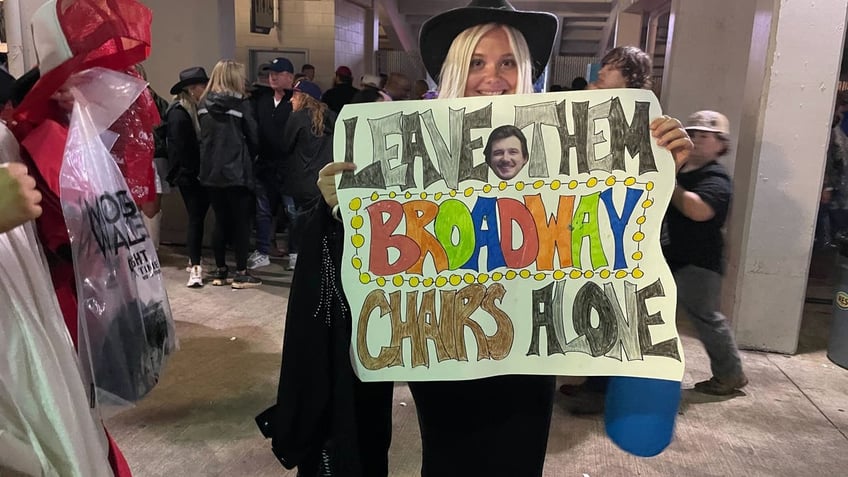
x: 509, y: 235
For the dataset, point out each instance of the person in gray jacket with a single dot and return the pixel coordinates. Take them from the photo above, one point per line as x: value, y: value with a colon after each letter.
x: 228, y: 147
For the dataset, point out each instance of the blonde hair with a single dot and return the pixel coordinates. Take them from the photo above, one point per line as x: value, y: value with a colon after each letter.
x: 188, y: 103
x: 316, y: 109
x: 454, y: 72
x: 228, y: 77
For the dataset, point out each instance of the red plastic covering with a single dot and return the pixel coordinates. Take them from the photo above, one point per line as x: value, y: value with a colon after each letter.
x: 133, y: 151
x: 114, y: 34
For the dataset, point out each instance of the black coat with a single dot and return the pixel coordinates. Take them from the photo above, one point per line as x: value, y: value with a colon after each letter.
x: 320, y: 401
x: 272, y: 124
x: 229, y: 141
x: 306, y: 154
x: 338, y: 96
x: 183, y: 147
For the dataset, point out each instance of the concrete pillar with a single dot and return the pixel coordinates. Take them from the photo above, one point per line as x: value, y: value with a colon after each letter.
x: 628, y: 29
x: 706, y: 60
x: 372, y: 41
x: 788, y: 123
x: 771, y: 67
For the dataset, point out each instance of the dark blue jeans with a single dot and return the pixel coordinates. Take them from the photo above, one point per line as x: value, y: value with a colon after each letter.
x: 267, y: 202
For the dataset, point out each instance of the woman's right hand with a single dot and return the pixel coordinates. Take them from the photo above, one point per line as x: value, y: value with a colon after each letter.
x: 327, y: 180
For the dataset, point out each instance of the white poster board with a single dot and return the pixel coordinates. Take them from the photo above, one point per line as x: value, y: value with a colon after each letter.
x: 548, y: 263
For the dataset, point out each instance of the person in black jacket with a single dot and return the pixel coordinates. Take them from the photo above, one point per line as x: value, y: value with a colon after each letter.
x: 229, y: 142
x: 308, y: 146
x: 272, y: 112
x: 326, y: 422
x: 183, y: 151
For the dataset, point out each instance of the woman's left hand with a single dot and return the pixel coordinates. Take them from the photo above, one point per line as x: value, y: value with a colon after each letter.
x: 327, y: 180
x: 670, y: 134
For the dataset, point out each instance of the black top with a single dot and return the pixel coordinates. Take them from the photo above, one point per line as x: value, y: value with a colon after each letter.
x: 339, y: 96
x: 228, y: 141
x: 183, y: 147
x: 699, y: 243
x: 306, y: 154
x: 272, y: 123
x: 316, y: 409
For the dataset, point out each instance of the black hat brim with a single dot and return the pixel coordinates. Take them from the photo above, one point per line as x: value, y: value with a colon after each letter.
x: 187, y: 82
x: 437, y: 34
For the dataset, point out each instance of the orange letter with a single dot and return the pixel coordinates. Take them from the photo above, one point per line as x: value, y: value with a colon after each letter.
x: 555, y: 234
x: 420, y: 213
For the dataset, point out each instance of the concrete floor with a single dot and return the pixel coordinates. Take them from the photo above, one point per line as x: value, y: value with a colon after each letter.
x: 790, y: 421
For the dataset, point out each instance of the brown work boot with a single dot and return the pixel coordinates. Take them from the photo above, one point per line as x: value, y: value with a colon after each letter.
x: 721, y: 387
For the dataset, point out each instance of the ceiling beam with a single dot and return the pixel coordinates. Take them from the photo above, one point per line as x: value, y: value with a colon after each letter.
x: 609, y: 26
x: 424, y: 7
x: 397, y: 29
x: 584, y: 25
x: 581, y: 35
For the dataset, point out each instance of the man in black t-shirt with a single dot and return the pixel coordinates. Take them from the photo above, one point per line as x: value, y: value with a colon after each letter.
x: 693, y: 245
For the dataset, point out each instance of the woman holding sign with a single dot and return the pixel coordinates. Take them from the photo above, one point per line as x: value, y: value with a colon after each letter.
x: 495, y: 426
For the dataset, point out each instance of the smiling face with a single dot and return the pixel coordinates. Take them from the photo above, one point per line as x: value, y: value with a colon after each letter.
x: 493, y: 69
x: 507, y: 157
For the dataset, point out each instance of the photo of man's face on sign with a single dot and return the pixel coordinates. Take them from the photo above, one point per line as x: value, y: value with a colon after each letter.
x: 506, y: 151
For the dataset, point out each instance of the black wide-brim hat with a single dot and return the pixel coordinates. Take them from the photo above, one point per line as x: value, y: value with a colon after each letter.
x: 188, y: 77
x: 437, y: 33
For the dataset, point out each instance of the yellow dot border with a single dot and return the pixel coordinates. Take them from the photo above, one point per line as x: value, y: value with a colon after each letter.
x: 457, y: 277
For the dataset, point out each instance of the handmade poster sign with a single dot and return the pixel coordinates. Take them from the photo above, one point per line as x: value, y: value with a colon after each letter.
x: 509, y: 235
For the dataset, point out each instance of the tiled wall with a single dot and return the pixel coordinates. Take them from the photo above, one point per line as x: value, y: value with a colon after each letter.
x: 306, y: 25
x: 350, y: 37
x: 191, y: 32
x: 177, y: 44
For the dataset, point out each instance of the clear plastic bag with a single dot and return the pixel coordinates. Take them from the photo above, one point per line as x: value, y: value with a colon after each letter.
x: 126, y: 330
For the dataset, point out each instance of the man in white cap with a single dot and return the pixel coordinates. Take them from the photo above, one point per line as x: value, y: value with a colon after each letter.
x: 693, y: 244
x: 272, y: 113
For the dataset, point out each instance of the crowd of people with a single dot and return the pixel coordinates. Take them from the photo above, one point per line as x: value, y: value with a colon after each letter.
x: 249, y: 151
x: 238, y: 148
